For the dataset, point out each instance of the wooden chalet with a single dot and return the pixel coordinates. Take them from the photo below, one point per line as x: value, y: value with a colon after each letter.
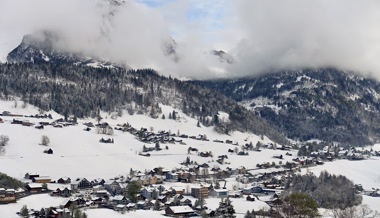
x: 31, y: 175
x: 64, y: 180
x: 199, y: 192
x: 179, y: 211
x: 41, y: 179
x: 34, y: 187
x: 7, y: 196
x: 80, y: 183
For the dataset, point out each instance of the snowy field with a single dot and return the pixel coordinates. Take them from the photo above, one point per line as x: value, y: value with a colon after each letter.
x: 78, y: 153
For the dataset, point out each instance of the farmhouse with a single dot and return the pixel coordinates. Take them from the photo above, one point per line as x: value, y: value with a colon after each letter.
x: 112, y: 186
x: 219, y: 193
x: 34, y: 187
x: 120, y: 200
x: 172, y: 177
x: 179, y: 211
x: 199, y: 192
x: 31, y: 175
x: 41, y: 179
x: 80, y: 183
x: 64, y: 180
x: 63, y: 191
x: 150, y: 193
x: 7, y: 196
x: 178, y: 190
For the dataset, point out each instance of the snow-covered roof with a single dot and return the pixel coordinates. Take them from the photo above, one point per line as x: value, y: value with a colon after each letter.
x: 181, y: 209
x: 42, y: 178
x: 35, y: 185
x: 118, y: 197
x: 220, y: 190
x: 178, y: 188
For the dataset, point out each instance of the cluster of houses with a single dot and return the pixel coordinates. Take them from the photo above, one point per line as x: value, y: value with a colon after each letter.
x: 328, y: 154
x: 176, y: 200
x: 57, y: 123
x: 7, y: 196
x: 156, y: 193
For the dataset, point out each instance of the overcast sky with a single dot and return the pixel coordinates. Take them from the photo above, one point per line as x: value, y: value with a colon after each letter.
x: 262, y: 35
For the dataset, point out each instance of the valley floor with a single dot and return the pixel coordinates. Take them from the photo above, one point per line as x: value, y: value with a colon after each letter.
x: 78, y: 153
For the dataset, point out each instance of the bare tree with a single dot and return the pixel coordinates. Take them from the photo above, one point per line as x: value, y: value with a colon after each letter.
x: 45, y: 140
x: 361, y: 211
x: 4, y: 139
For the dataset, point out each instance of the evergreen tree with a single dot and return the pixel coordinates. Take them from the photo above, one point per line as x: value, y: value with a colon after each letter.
x: 217, y: 184
x: 156, y: 205
x: 24, y: 211
x: 157, y: 146
x: 258, y: 145
x: 225, y: 209
x: 301, y: 205
x: 133, y: 189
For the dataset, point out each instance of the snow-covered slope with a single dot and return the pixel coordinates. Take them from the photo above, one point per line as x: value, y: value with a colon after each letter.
x: 79, y: 153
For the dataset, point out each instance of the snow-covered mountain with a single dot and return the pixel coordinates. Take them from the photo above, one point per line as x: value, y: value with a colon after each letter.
x: 40, y: 48
x: 82, y: 91
x: 224, y: 56
x: 325, y: 104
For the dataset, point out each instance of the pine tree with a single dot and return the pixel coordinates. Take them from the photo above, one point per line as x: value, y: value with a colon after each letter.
x: 174, y: 116
x: 156, y: 205
x: 157, y: 146
x: 24, y: 211
x: 132, y: 190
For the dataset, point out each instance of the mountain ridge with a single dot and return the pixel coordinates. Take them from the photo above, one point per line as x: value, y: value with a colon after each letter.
x: 325, y: 104
x: 83, y: 91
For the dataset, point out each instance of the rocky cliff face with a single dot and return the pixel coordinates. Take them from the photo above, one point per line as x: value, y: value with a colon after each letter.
x: 41, y: 48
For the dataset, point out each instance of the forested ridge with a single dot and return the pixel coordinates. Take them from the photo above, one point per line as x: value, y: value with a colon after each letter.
x: 83, y: 91
x: 326, y: 104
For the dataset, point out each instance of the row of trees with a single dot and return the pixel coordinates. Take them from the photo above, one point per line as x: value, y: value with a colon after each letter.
x: 329, y: 191
x: 75, y: 213
x: 8, y: 182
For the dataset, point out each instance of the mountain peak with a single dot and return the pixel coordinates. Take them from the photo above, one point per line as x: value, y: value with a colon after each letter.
x: 224, y: 56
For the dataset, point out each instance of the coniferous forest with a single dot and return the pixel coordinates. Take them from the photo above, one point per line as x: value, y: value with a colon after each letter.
x: 82, y: 91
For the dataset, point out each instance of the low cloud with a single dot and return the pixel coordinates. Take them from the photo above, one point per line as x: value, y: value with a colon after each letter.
x: 263, y: 36
x: 278, y: 35
x: 131, y: 33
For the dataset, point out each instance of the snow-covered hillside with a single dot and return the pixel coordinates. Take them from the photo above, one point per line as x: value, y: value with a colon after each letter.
x: 78, y: 153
